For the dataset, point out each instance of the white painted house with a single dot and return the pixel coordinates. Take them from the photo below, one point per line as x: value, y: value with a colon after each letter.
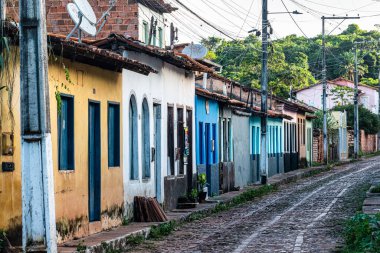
x: 158, y: 123
x: 312, y: 95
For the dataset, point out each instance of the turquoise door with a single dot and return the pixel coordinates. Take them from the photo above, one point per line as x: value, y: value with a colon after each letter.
x: 94, y: 160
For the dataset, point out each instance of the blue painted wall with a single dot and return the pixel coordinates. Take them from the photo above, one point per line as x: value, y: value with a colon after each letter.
x: 255, y: 135
x: 207, y: 141
x: 275, y: 136
x: 202, y: 118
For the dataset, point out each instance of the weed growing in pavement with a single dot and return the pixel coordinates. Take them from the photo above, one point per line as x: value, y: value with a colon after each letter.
x: 196, y: 216
x: 108, y: 248
x: 81, y: 247
x: 377, y: 153
x: 362, y: 234
x: 165, y: 229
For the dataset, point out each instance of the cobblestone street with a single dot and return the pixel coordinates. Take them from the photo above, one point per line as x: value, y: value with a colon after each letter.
x: 306, y: 216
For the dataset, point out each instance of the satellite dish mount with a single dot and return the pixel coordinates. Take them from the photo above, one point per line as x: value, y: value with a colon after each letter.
x: 84, y: 18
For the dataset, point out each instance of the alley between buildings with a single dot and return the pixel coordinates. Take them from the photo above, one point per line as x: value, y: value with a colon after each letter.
x: 306, y: 216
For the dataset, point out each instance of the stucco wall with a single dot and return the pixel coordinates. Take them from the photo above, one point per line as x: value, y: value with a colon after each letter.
x: 313, y: 96
x: 145, y: 15
x: 10, y: 182
x: 71, y: 188
x: 170, y: 86
x: 88, y: 83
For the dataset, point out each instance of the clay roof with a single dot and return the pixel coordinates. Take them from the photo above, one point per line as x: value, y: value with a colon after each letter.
x: 92, y: 55
x: 158, y: 6
x: 83, y: 52
x: 335, y: 82
x: 120, y: 42
x: 359, y: 84
x: 236, y: 104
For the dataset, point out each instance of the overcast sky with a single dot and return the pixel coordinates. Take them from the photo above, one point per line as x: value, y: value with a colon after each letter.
x: 237, y: 17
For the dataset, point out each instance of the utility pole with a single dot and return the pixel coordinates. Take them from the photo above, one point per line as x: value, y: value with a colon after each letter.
x: 3, y: 10
x: 356, y: 106
x: 38, y: 205
x: 378, y: 93
x: 264, y: 95
x: 324, y: 84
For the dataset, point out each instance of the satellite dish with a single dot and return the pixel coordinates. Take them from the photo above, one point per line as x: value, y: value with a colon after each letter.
x: 195, y: 51
x: 86, y: 9
x: 80, y: 22
x: 84, y: 18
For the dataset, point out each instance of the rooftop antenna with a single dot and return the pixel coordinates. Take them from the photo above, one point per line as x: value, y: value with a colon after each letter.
x: 84, y: 18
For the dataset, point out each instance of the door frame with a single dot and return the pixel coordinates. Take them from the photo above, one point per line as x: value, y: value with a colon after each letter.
x: 97, y: 103
x: 158, y: 149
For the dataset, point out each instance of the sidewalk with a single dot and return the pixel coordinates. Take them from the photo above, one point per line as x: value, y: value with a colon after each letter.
x: 117, y: 238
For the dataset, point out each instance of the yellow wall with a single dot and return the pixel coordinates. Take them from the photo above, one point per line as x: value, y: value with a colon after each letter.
x: 71, y: 188
x: 10, y: 182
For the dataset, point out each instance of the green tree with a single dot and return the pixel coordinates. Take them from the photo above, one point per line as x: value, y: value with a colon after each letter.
x: 368, y: 121
x: 295, y: 61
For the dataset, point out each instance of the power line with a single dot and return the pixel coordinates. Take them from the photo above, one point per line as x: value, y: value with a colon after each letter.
x: 294, y: 19
x: 205, y: 21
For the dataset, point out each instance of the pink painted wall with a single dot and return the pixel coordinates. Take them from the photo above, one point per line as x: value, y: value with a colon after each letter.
x: 313, y: 95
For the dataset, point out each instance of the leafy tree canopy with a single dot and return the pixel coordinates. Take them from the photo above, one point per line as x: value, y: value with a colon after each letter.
x: 295, y: 62
x: 368, y: 121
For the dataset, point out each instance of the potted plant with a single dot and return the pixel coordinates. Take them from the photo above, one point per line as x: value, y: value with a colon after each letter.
x: 202, y: 183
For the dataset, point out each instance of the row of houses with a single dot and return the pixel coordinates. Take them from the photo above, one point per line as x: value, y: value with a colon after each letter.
x: 130, y: 119
x: 143, y: 121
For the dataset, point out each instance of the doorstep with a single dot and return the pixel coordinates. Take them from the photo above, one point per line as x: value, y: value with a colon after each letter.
x: 117, y: 237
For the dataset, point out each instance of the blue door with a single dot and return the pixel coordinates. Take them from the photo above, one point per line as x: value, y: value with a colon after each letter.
x: 94, y: 159
x: 157, y: 146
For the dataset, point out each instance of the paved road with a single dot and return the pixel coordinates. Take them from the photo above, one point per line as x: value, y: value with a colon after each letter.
x: 306, y: 216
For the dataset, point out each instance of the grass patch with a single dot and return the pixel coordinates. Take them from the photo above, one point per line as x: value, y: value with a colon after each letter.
x: 135, y: 240
x: 377, y: 153
x: 162, y: 230
x: 362, y: 234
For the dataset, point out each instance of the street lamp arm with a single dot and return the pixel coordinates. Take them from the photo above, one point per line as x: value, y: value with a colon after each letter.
x: 287, y: 12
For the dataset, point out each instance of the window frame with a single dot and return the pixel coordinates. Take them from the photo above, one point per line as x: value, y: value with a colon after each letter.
x: 72, y: 168
x: 146, y: 31
x: 133, y: 157
x: 109, y: 105
x: 145, y: 143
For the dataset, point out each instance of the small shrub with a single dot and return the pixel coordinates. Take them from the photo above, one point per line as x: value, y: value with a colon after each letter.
x: 81, y: 247
x: 193, y: 195
x: 362, y: 234
x: 2, y: 240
